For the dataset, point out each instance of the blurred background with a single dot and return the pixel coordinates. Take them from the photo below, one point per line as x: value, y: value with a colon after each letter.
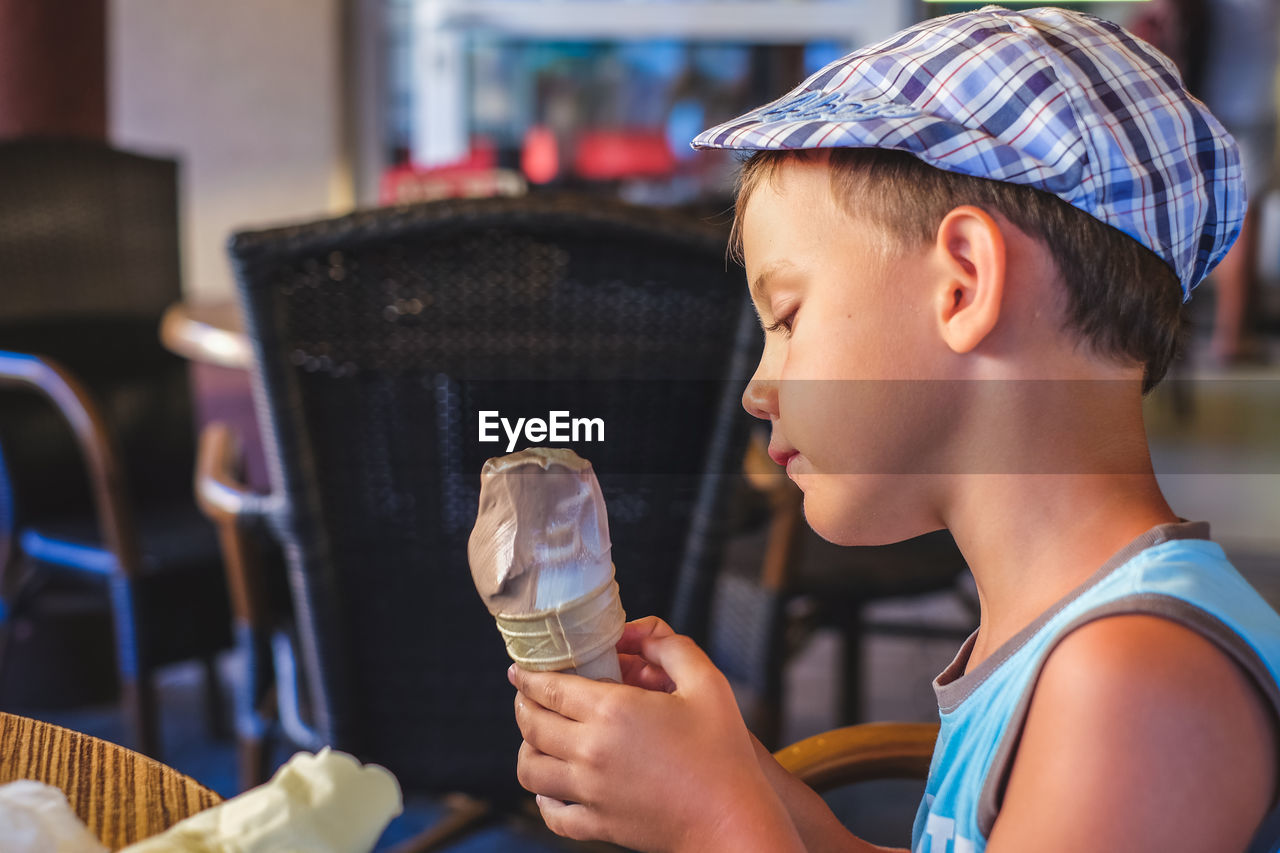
x: 284, y: 111
x: 292, y: 111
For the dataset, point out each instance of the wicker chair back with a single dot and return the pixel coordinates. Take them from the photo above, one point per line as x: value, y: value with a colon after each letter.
x: 380, y: 338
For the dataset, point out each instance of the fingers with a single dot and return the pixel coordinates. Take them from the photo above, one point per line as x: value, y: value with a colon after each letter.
x: 539, y: 773
x: 545, y: 730
x: 635, y: 633
x: 662, y: 649
x: 571, y: 820
x: 638, y: 672
x: 552, y: 781
x: 677, y: 655
x: 570, y: 696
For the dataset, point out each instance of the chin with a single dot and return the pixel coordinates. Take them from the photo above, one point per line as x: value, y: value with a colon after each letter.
x: 863, y: 516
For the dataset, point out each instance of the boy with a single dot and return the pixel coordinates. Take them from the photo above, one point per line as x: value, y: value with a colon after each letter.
x: 968, y: 246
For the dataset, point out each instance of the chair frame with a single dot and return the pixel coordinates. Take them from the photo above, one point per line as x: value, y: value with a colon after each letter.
x: 272, y: 695
x: 116, y: 523
x: 861, y: 753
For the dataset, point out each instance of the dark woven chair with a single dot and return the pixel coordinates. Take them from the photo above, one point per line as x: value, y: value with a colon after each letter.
x: 95, y: 420
x: 379, y: 338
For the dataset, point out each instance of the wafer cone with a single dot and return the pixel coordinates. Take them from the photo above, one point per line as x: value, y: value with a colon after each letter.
x: 577, y: 636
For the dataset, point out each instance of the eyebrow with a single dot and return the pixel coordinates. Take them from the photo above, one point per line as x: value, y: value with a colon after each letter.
x: 761, y: 282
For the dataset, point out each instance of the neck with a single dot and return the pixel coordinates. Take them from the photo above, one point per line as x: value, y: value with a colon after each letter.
x: 1034, y: 534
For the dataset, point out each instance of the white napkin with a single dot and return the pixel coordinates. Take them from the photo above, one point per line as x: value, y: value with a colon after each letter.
x: 322, y: 803
x: 36, y: 818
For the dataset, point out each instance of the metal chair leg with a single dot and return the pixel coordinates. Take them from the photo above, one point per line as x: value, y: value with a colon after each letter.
x: 255, y: 706
x: 135, y: 670
x: 851, y: 668
x: 214, y: 699
x: 139, y: 701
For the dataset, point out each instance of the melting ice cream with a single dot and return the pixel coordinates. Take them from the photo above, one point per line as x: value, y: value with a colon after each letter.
x: 540, y: 559
x: 541, y: 536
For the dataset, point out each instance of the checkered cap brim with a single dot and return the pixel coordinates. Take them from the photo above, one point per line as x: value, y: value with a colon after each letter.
x: 1049, y: 98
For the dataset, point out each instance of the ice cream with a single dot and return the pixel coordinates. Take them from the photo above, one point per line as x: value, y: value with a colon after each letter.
x: 540, y: 559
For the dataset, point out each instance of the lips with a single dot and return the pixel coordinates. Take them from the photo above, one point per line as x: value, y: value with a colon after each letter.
x: 781, y: 455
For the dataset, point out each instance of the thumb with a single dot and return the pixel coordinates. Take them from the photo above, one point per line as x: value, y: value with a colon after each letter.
x: 634, y: 634
x: 679, y: 657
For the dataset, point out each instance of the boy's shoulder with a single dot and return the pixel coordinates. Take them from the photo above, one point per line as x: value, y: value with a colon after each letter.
x: 1136, y: 722
x: 1140, y: 659
x: 1137, y: 712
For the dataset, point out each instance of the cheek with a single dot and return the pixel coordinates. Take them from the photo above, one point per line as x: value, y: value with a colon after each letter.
x: 875, y: 450
x: 812, y: 419
x: 842, y: 426
x: 870, y: 426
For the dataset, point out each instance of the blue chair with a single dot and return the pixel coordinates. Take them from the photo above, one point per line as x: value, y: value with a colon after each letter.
x: 95, y: 417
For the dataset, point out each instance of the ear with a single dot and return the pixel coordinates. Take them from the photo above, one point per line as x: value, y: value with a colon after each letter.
x: 971, y: 248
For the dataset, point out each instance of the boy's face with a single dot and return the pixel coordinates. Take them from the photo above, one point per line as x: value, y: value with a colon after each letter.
x: 848, y: 340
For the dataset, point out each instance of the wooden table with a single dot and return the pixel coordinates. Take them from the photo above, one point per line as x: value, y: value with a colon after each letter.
x: 121, y: 795
x: 207, y: 333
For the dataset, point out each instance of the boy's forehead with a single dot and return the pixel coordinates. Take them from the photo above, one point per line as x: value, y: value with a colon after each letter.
x: 774, y: 234
x: 797, y: 196
x: 802, y: 194
x: 781, y: 181
x: 794, y: 219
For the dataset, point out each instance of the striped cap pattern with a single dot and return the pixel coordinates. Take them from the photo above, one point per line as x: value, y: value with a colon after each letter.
x: 1049, y: 98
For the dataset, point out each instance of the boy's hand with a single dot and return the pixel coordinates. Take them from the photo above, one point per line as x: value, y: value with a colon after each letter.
x: 663, y: 762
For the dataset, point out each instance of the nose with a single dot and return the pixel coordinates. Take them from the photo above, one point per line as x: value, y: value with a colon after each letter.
x: 760, y: 398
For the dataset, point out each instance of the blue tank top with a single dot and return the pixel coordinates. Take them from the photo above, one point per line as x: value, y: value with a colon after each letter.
x: 1171, y: 571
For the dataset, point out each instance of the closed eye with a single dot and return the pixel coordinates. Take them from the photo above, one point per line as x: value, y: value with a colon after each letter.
x: 781, y: 324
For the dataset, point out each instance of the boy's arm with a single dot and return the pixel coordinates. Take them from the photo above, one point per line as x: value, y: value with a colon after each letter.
x: 820, y: 830
x: 1141, y: 735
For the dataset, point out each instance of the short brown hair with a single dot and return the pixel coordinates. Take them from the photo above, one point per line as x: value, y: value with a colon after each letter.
x: 1121, y: 298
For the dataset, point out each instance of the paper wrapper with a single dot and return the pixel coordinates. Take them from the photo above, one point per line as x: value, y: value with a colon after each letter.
x: 35, y: 818
x: 322, y: 803
x: 578, y: 636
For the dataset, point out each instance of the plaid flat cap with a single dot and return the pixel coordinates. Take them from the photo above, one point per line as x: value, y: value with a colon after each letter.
x: 1050, y: 98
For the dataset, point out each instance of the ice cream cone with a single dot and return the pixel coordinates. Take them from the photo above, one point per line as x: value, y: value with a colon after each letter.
x: 539, y: 555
